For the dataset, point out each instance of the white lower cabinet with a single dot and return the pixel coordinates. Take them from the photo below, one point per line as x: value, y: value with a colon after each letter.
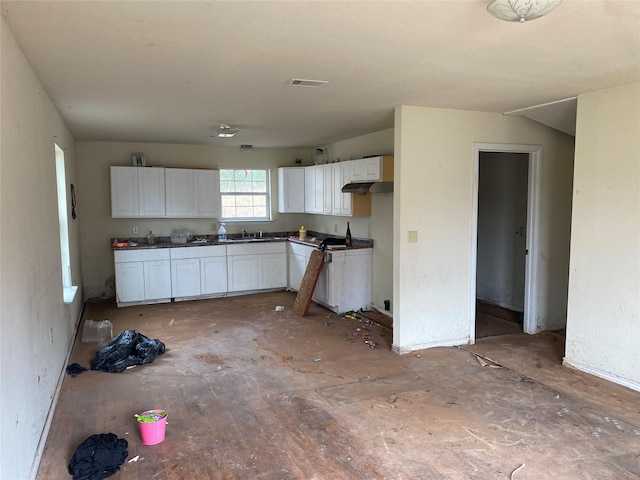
x: 142, y: 276
x: 198, y: 271
x: 182, y: 273
x: 213, y: 275
x: 345, y: 281
x: 252, y: 266
x: 298, y: 258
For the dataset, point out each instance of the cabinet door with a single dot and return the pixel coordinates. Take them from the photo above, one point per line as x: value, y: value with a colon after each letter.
x: 346, y: 203
x: 213, y: 275
x: 321, y: 293
x: 273, y: 270
x: 180, y: 193
x: 124, y: 192
x: 129, y: 282
x: 318, y: 192
x: 291, y: 190
x: 336, y: 192
x: 151, y: 192
x: 297, y: 267
x: 157, y: 279
x: 366, y: 170
x: 185, y: 277
x: 242, y: 271
x: 327, y: 195
x: 309, y: 187
x: 207, y: 193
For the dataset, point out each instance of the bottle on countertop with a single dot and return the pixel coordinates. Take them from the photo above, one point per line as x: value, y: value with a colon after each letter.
x: 347, y: 239
x: 302, y: 234
x: 222, y: 233
x: 151, y: 238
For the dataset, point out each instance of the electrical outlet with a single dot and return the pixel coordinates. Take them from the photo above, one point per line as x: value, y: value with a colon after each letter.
x: 213, y: 227
x: 135, y: 230
x: 335, y: 228
x: 412, y: 237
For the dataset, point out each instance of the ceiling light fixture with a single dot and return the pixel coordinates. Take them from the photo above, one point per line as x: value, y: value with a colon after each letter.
x: 521, y: 10
x: 225, y: 132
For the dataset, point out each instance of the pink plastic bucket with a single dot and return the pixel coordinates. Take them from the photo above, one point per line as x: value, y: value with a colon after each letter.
x: 152, y: 433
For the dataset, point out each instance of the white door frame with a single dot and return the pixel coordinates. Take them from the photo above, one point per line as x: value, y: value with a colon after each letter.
x: 534, y: 196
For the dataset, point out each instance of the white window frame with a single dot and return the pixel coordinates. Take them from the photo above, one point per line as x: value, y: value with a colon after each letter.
x: 267, y: 196
x: 68, y: 289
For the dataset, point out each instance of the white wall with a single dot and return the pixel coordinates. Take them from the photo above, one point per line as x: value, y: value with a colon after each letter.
x: 94, y: 198
x: 433, y: 196
x: 37, y: 329
x: 603, y: 324
x: 380, y: 225
x: 502, y: 221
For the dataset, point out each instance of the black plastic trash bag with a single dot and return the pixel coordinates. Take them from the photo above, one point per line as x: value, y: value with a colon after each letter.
x: 98, y: 457
x: 130, y: 347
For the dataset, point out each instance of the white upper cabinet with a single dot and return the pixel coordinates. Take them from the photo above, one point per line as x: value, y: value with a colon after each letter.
x: 164, y: 192
x: 180, y: 192
x: 373, y: 169
x: 207, y: 193
x: 314, y: 189
x: 193, y: 193
x: 137, y: 192
x: 291, y: 189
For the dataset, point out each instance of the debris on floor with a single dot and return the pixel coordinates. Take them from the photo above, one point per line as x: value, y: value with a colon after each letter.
x: 280, y: 308
x: 130, y: 347
x: 75, y: 369
x: 209, y: 358
x: 362, y: 332
x: 99, y: 456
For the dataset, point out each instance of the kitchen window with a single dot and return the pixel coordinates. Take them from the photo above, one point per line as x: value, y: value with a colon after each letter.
x: 245, y: 194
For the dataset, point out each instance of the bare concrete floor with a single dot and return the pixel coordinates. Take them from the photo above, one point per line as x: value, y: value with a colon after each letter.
x: 257, y: 394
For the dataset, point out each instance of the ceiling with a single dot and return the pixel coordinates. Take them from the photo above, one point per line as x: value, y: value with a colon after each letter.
x: 172, y: 71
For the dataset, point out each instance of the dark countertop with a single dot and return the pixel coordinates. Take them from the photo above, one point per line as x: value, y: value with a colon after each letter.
x: 313, y: 239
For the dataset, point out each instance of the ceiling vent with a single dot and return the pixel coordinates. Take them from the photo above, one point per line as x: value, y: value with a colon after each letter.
x: 301, y: 82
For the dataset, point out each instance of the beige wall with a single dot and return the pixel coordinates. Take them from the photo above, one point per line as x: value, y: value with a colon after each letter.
x: 94, y: 198
x: 37, y: 329
x: 603, y: 324
x: 433, y: 196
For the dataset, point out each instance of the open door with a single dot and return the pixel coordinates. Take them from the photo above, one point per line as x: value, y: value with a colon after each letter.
x: 534, y: 153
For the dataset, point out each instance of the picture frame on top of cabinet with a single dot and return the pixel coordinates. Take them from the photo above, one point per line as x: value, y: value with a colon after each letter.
x: 138, y: 160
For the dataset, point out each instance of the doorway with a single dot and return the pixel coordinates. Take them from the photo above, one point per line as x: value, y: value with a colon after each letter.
x: 505, y: 223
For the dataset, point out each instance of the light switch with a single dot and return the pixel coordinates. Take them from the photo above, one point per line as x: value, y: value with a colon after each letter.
x: 412, y: 237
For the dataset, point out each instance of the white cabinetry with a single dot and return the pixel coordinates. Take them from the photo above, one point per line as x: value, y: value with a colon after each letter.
x: 291, y: 188
x: 373, y: 169
x: 345, y: 281
x: 256, y: 266
x: 142, y: 276
x: 298, y: 259
x: 137, y: 192
x: 198, y: 271
x: 192, y: 193
x: 314, y: 189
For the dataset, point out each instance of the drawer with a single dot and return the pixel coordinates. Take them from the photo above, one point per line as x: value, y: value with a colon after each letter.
x: 198, y: 252
x: 257, y: 248
x: 144, y: 255
x: 298, y: 249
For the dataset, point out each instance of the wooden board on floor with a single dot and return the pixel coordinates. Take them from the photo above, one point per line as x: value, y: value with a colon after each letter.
x: 308, y: 285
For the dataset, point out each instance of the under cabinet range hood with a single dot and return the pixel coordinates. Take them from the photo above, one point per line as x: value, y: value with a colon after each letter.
x: 368, y: 187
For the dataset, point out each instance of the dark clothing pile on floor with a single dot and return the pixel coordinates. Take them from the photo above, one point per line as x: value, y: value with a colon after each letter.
x: 129, y: 348
x: 75, y: 369
x: 98, y: 457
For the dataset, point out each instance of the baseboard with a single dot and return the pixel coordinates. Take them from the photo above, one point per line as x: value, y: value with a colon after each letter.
x: 54, y: 401
x: 602, y: 374
x: 423, y: 346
